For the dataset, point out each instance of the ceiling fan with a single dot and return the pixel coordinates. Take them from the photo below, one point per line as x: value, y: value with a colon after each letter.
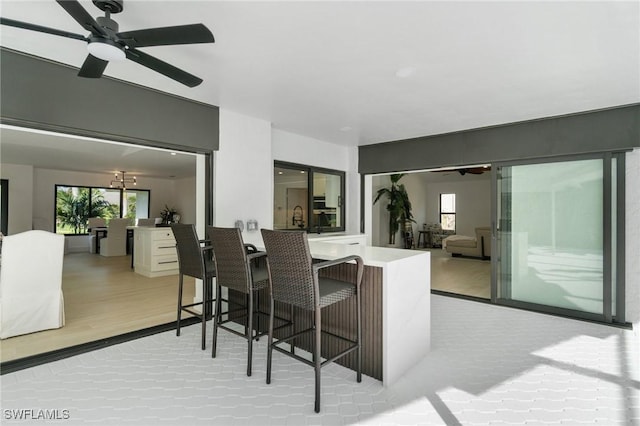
x: 474, y: 170
x: 464, y: 170
x: 106, y: 44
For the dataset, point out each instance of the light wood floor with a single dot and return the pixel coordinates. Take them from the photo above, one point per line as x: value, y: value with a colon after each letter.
x: 467, y: 276
x: 103, y: 297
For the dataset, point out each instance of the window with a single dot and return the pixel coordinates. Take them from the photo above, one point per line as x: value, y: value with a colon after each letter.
x: 135, y: 204
x: 308, y: 198
x: 448, y: 211
x: 76, y: 204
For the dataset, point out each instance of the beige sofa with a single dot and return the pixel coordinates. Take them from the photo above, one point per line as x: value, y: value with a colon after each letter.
x: 460, y: 245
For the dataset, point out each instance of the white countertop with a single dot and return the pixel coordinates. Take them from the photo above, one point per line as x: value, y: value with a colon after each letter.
x: 331, y: 236
x: 322, y: 247
x: 373, y: 256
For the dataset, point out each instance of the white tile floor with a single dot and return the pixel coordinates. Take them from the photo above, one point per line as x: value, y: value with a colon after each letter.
x: 488, y: 366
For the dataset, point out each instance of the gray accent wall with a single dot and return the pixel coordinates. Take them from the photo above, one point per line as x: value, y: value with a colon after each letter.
x: 41, y: 94
x: 614, y: 129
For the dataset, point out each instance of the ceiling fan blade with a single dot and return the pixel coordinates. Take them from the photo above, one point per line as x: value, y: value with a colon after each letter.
x: 39, y: 28
x: 79, y: 13
x: 92, y: 67
x: 162, y: 67
x: 182, y: 34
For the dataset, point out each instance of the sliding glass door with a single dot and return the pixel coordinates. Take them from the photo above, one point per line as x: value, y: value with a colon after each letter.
x: 556, y: 236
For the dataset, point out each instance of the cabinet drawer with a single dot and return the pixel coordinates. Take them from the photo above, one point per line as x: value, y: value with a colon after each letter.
x: 163, y: 263
x: 163, y: 235
x: 163, y: 249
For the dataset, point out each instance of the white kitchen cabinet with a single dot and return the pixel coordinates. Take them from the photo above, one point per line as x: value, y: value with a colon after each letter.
x: 155, y: 252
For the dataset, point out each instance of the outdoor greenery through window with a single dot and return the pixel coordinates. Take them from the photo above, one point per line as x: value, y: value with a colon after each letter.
x: 76, y: 204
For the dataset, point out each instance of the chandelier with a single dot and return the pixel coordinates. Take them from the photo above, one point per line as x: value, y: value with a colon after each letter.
x: 123, y: 181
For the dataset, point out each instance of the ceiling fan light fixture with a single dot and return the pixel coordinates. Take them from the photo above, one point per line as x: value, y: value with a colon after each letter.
x: 106, y: 43
x: 106, y: 50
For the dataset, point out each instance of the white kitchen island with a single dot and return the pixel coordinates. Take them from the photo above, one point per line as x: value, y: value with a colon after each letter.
x: 396, y: 292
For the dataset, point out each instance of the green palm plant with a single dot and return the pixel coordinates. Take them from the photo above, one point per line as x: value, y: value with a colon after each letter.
x: 99, y: 207
x: 73, y: 208
x: 399, y: 205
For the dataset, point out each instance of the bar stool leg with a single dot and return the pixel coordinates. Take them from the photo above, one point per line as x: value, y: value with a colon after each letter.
x: 217, y: 318
x: 249, y: 331
x: 205, y: 293
x: 359, y: 335
x: 270, y: 342
x: 179, y: 305
x: 316, y: 356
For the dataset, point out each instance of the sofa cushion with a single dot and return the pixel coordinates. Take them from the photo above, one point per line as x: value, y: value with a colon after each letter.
x: 461, y: 241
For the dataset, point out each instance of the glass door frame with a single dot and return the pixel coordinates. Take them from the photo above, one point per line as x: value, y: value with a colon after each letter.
x: 4, y: 205
x: 613, y: 247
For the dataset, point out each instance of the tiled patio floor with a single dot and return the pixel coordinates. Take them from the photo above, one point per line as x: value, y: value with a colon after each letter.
x: 488, y: 366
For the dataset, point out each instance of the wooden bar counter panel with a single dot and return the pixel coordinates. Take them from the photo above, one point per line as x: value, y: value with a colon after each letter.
x: 340, y: 319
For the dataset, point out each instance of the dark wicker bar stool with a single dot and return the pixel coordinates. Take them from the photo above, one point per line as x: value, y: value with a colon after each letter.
x: 194, y: 260
x: 293, y: 279
x: 237, y: 269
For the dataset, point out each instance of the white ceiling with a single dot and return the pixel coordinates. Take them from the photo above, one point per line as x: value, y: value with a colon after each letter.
x: 328, y: 69
x: 62, y: 152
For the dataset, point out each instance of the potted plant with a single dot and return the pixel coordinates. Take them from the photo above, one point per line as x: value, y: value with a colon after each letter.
x: 399, y: 206
x: 168, y: 214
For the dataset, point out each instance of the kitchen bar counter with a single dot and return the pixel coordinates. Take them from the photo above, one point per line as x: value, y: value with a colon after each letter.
x: 396, y: 302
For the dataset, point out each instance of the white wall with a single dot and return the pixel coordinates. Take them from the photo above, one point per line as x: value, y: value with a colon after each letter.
x: 632, y: 236
x: 473, y: 203
x: 416, y: 184
x: 379, y: 227
x: 243, y: 173
x: 243, y: 170
x: 21, y: 196
x: 301, y: 149
x: 185, y: 195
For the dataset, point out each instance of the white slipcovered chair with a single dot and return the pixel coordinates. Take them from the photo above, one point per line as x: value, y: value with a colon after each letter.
x: 115, y: 243
x: 93, y: 223
x: 31, y: 283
